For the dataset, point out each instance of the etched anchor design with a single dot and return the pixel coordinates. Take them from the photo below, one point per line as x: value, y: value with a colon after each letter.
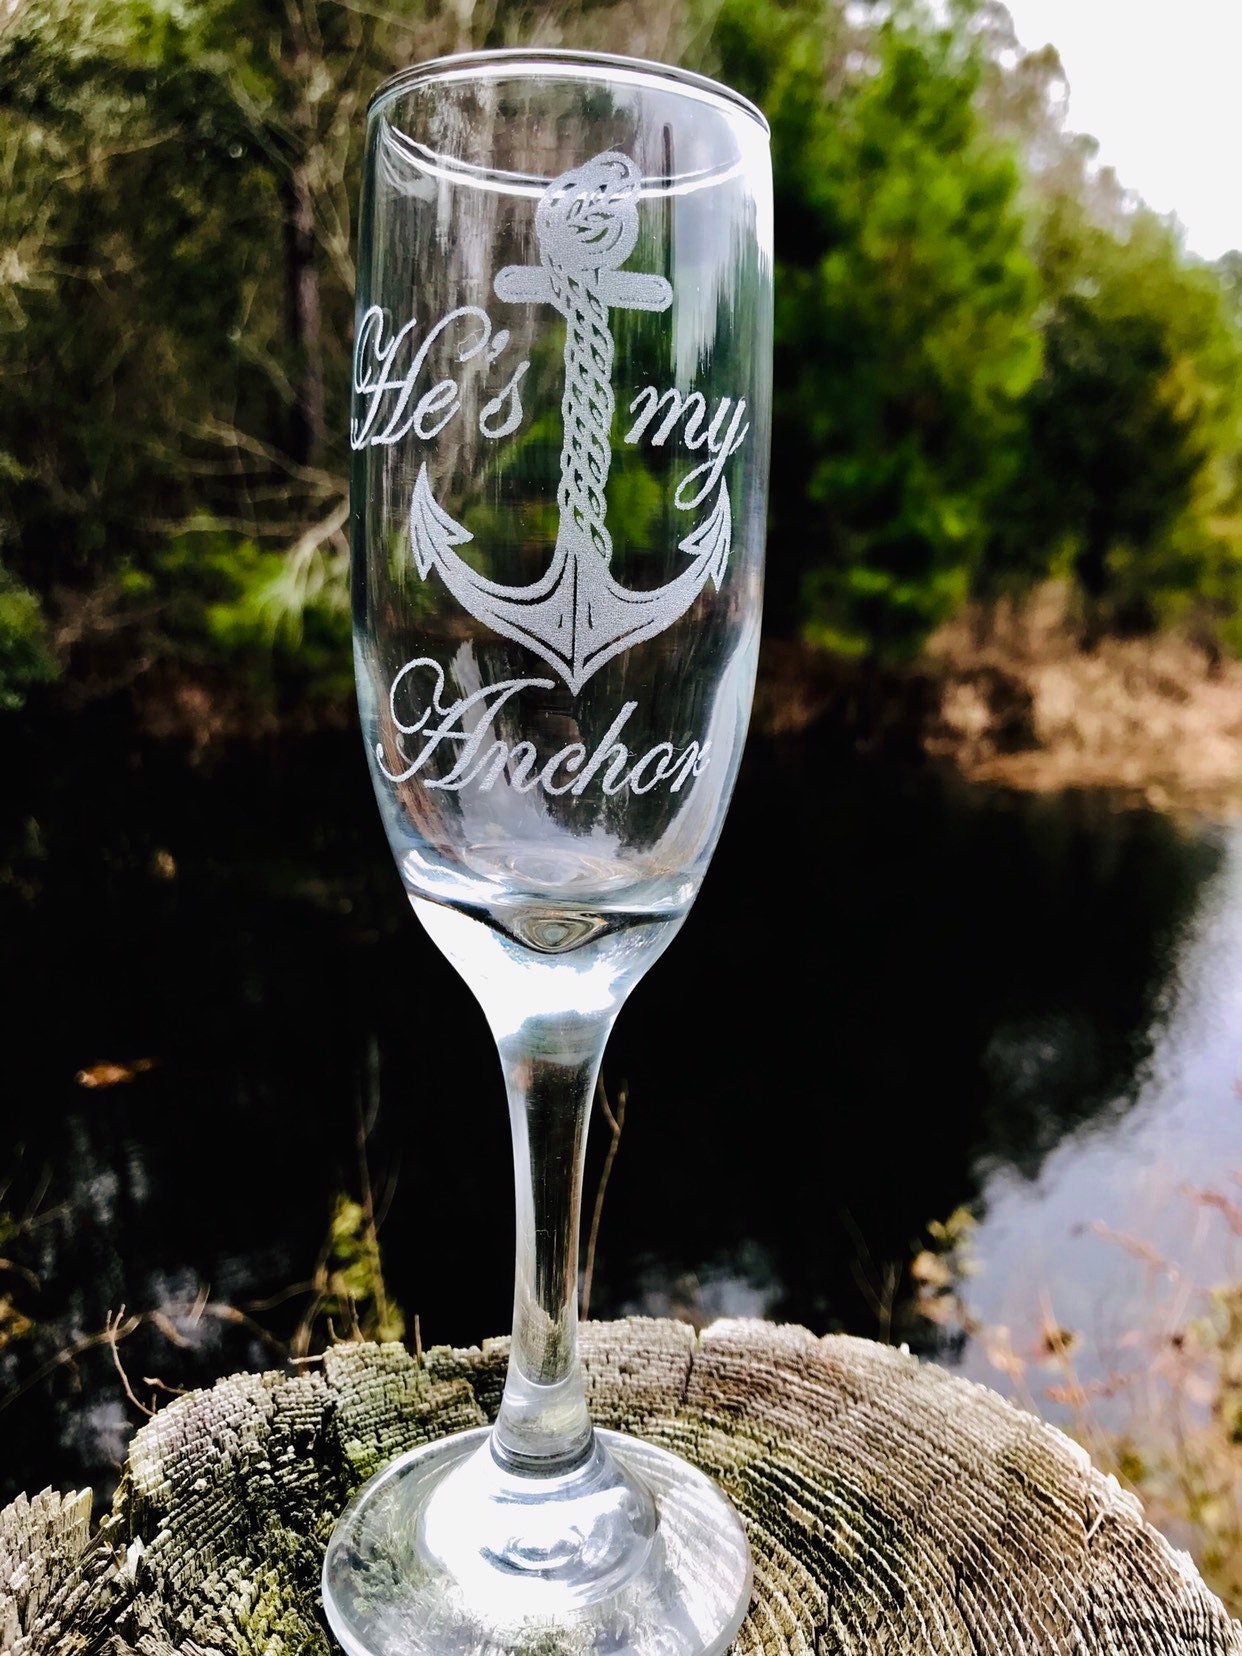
x: 577, y: 615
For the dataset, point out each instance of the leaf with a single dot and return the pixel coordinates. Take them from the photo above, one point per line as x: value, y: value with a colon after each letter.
x: 941, y: 1309
x: 932, y: 1269
x: 1057, y: 1343
x: 107, y: 1074
x: 13, y: 1323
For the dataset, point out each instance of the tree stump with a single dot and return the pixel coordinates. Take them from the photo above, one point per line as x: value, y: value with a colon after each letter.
x: 893, y: 1509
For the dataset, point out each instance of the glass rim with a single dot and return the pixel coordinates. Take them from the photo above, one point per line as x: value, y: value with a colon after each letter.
x: 560, y: 57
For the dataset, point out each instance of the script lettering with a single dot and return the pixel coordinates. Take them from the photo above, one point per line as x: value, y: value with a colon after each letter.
x: 721, y: 442
x: 465, y: 730
x: 385, y: 383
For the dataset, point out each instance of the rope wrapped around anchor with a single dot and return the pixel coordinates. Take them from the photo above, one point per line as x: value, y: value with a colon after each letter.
x: 587, y: 222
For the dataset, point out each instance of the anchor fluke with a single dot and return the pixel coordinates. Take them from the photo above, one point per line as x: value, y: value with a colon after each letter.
x: 577, y: 615
x: 710, y: 542
x: 433, y: 533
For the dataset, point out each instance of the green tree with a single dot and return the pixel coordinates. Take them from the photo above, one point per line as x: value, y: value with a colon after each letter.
x: 24, y: 656
x: 176, y: 318
x: 990, y: 367
x: 906, y: 331
x: 1129, y: 483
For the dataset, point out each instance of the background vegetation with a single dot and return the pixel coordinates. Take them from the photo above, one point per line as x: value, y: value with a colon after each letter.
x: 993, y: 365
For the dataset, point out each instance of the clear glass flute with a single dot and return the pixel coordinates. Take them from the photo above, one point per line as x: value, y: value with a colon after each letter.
x: 560, y: 430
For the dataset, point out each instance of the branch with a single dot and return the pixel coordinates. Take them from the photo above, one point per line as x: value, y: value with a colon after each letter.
x: 615, y: 1124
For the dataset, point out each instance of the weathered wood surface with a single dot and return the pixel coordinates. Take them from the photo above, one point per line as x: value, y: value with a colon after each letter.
x: 893, y: 1509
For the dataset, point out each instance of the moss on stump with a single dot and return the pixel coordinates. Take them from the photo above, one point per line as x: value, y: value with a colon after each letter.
x: 893, y: 1509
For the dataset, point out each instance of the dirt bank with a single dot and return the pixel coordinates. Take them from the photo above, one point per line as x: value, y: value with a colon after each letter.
x: 1020, y: 697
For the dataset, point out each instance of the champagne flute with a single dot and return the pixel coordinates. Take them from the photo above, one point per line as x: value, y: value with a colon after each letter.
x: 560, y: 429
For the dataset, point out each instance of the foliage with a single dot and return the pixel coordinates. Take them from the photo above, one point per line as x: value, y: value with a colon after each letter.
x: 1164, y: 1415
x: 1181, y: 1450
x: 154, y: 424
x: 345, y: 1298
x: 1129, y: 481
x: 24, y: 657
x: 175, y: 235
x: 355, y: 1296
x: 905, y: 319
x: 991, y: 365
x: 1191, y: 1479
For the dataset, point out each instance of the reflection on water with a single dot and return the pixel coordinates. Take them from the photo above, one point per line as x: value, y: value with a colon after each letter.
x: 1113, y: 1235
x: 894, y: 996
x: 738, y: 1282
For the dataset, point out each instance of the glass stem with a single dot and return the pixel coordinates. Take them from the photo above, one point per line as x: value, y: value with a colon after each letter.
x: 550, y: 1064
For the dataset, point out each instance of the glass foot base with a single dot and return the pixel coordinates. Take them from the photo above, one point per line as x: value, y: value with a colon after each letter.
x: 634, y: 1553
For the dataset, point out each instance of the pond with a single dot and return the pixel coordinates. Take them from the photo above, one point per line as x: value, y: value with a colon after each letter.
x: 897, y: 996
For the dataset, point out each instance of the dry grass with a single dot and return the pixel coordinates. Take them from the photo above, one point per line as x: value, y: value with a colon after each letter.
x: 1024, y: 700
x: 1170, y: 1426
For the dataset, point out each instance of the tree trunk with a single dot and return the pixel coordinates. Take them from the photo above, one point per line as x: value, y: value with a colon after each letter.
x: 301, y: 262
x: 893, y: 1509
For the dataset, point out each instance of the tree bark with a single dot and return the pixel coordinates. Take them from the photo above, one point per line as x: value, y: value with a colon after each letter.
x: 893, y: 1509
x: 301, y: 258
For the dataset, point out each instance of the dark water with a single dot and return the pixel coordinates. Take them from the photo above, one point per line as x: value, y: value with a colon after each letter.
x: 895, y: 996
